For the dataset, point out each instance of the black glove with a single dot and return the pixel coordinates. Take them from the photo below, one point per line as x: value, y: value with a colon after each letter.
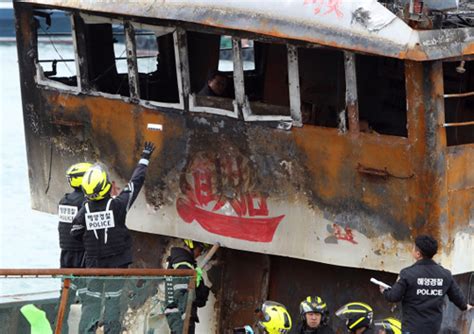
x: 148, y: 150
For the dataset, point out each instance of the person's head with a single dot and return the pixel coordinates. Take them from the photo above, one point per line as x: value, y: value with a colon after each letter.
x: 196, y: 247
x: 217, y: 82
x: 357, y: 316
x: 364, y: 126
x: 425, y: 247
x: 275, y: 318
x: 96, y: 184
x: 314, y: 312
x: 75, y: 173
x: 388, y: 326
x: 306, y: 113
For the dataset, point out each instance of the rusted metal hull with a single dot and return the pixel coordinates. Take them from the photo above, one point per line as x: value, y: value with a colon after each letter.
x: 311, y: 193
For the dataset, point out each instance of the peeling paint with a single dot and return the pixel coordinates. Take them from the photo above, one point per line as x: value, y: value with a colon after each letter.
x: 293, y: 20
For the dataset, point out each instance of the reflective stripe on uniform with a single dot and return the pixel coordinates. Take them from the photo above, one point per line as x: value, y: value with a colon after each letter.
x: 180, y: 287
x: 171, y: 310
x: 131, y: 188
x: 111, y: 294
x: 187, y: 264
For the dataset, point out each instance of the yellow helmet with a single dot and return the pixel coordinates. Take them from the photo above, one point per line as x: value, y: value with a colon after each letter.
x: 390, y: 325
x: 192, y: 244
x: 75, y: 173
x: 314, y: 304
x: 356, y: 315
x: 95, y: 183
x: 276, y: 319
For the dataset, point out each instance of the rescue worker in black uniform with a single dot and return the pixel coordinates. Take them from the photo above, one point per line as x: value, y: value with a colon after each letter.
x: 101, y: 225
x: 72, y: 250
x: 421, y: 289
x: 176, y: 290
x: 314, y: 317
x: 358, y: 317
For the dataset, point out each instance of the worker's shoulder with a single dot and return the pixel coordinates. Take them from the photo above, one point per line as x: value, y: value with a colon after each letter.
x: 409, y: 270
x: 73, y: 198
x: 445, y: 271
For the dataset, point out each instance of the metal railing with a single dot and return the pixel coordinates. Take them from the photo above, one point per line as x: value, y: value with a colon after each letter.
x: 69, y: 274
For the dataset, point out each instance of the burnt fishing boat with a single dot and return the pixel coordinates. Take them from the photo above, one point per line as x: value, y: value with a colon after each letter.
x: 347, y: 128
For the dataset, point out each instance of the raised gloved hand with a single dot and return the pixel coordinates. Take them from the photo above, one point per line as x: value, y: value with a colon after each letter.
x: 148, y: 150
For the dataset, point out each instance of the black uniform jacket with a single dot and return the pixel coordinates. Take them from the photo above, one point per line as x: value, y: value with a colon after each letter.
x: 114, y: 241
x: 177, y: 259
x: 302, y: 329
x: 66, y: 241
x: 206, y: 91
x: 421, y: 289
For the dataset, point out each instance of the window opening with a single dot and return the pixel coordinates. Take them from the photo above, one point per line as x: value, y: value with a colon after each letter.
x: 157, y: 64
x: 120, y: 49
x: 226, y: 63
x: 212, y: 90
x: 322, y: 86
x: 56, y: 53
x: 120, y: 52
x: 266, y: 86
x: 381, y: 95
x: 459, y: 102
x: 106, y: 56
x: 248, y: 54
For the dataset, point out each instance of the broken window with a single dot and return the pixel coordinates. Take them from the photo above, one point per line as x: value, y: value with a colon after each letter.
x: 156, y: 61
x: 106, y: 55
x: 120, y: 56
x: 266, y: 86
x: 322, y: 86
x: 381, y: 95
x: 56, y: 53
x: 459, y: 102
x: 212, y: 90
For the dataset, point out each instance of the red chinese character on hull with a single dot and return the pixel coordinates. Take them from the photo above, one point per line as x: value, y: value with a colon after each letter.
x: 217, y: 194
x: 326, y: 7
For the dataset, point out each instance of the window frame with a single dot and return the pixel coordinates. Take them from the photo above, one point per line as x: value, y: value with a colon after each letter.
x: 157, y: 29
x: 97, y: 19
x: 187, y: 99
x: 191, y: 97
x: 45, y: 82
x: 244, y: 102
x: 132, y: 68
